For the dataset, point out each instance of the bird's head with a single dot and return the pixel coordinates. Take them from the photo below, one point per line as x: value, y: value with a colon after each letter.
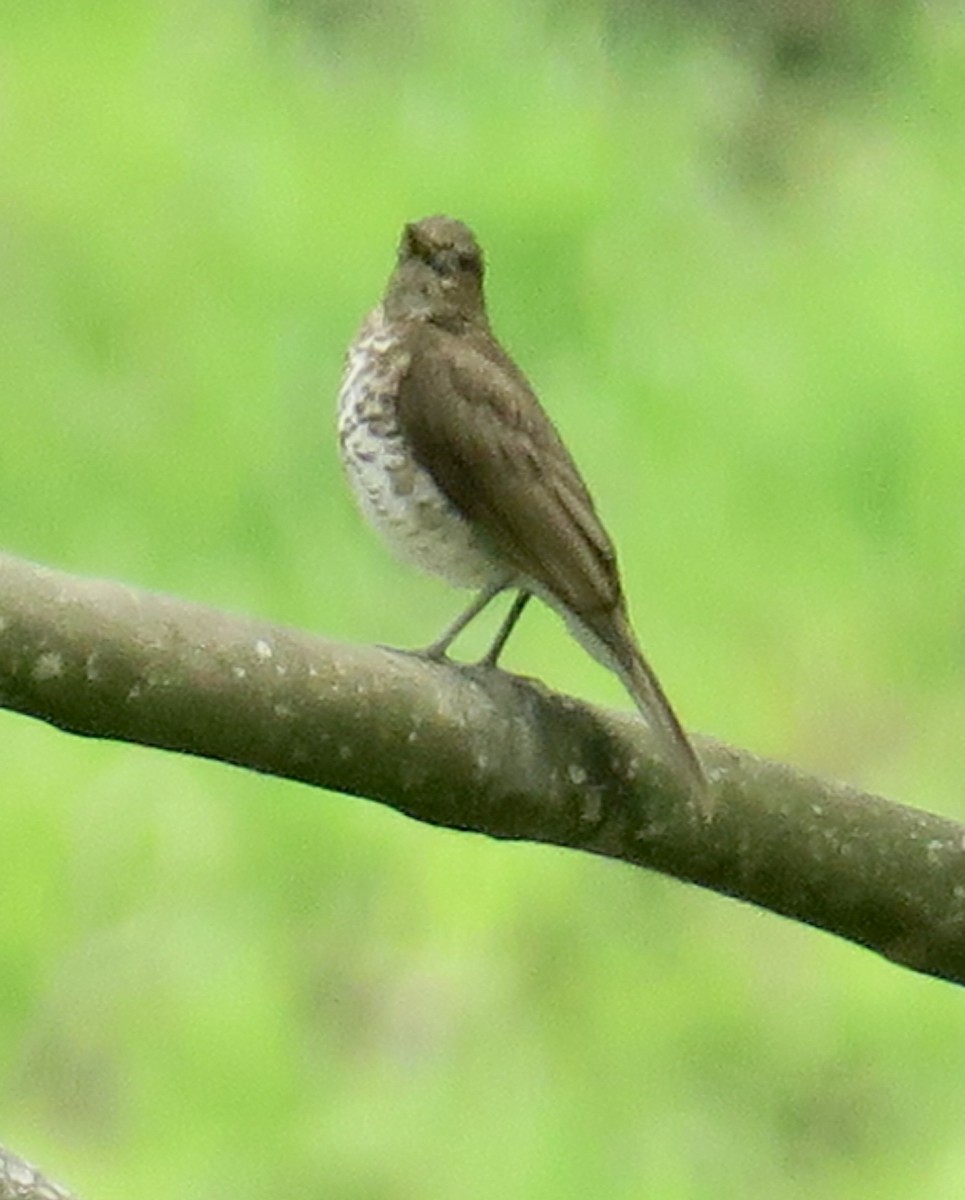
x: 439, y: 274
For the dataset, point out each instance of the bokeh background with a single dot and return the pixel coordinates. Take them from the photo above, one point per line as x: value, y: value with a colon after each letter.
x: 728, y: 244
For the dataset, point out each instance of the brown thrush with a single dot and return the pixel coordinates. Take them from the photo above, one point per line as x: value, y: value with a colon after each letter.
x: 455, y: 462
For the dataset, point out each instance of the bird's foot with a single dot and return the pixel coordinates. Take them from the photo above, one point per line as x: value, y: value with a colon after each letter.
x: 434, y: 653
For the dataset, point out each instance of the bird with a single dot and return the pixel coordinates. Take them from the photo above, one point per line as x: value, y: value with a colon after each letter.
x: 455, y: 462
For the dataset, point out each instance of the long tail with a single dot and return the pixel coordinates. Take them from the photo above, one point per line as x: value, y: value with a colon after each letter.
x: 644, y: 686
x: 639, y: 680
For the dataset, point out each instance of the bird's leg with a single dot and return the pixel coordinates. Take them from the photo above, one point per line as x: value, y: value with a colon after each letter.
x: 491, y: 657
x: 439, y: 647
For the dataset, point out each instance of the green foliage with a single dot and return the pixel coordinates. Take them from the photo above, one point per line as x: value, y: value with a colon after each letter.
x: 743, y: 297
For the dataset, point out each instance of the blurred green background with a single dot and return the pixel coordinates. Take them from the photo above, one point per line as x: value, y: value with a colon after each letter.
x: 728, y: 245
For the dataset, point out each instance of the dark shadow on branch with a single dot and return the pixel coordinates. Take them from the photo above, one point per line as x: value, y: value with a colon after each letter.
x: 480, y: 750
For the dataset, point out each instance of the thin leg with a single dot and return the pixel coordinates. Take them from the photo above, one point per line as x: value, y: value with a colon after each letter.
x: 490, y: 658
x: 441, y: 645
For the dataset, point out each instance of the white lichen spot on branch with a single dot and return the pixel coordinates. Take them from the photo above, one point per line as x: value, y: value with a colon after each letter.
x: 263, y: 649
x: 48, y: 666
x: 591, y: 806
x: 92, y: 670
x: 715, y: 773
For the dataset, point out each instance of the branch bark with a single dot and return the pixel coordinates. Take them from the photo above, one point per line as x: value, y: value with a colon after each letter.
x: 477, y: 749
x: 20, y: 1180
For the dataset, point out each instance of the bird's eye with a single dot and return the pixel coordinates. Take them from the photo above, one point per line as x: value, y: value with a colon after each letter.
x: 468, y: 261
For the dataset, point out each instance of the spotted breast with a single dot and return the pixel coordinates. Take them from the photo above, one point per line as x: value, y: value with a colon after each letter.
x: 396, y: 495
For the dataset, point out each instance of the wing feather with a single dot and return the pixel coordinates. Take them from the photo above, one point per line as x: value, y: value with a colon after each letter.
x: 475, y: 424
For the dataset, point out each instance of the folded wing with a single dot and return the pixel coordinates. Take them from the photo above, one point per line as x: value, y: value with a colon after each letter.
x: 493, y: 451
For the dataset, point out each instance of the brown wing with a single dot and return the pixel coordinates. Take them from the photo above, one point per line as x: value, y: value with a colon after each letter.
x: 475, y: 424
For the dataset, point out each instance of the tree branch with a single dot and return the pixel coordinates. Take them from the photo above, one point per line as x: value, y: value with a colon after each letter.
x: 20, y: 1180
x: 476, y: 749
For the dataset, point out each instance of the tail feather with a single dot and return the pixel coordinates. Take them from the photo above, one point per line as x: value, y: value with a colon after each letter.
x: 643, y: 685
x: 608, y: 636
x: 655, y: 708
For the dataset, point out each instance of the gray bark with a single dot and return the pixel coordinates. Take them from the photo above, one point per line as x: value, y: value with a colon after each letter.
x: 20, y: 1180
x: 480, y: 750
